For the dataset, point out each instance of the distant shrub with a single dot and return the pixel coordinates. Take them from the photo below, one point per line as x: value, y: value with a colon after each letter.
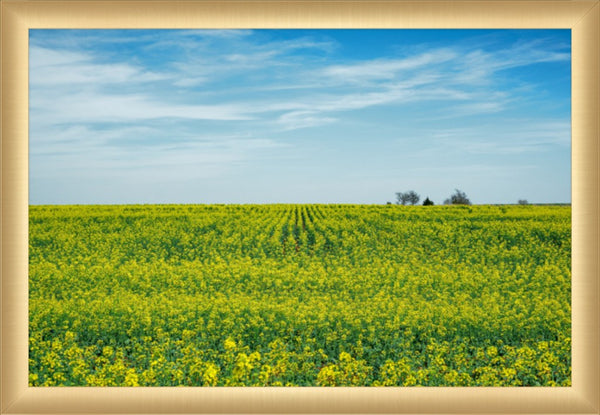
x: 458, y: 198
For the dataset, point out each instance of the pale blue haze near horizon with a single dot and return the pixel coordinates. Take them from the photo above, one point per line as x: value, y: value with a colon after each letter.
x: 298, y: 116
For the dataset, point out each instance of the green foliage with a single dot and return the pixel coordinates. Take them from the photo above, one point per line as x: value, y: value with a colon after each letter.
x: 308, y: 295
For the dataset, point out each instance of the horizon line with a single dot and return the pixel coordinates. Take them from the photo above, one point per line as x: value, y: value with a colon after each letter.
x: 307, y: 203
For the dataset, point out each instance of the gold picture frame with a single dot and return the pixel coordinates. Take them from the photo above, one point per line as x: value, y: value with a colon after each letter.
x: 581, y: 16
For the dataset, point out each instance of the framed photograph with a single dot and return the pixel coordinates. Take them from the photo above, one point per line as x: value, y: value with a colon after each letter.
x: 300, y: 206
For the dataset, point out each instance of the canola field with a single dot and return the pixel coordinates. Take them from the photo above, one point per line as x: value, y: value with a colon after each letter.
x: 299, y: 295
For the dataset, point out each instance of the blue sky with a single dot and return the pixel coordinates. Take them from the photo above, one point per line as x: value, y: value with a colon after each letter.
x: 298, y: 116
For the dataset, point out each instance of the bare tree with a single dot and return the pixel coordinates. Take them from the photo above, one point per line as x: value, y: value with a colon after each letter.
x: 458, y: 198
x: 413, y: 197
x: 401, y: 198
x: 410, y: 197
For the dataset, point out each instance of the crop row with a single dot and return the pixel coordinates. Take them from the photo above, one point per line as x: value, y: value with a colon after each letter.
x: 299, y: 295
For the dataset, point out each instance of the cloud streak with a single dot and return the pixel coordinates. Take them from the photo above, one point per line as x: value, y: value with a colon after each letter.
x: 214, y: 99
x: 320, y: 92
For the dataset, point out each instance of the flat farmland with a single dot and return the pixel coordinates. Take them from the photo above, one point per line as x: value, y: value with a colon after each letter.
x: 299, y: 295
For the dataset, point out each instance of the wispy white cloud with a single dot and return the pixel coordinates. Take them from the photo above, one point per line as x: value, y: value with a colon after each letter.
x: 40, y: 58
x: 58, y: 68
x: 93, y: 106
x: 478, y: 66
x: 302, y: 119
x: 201, y: 102
x: 516, y: 136
x: 319, y: 90
x: 87, y: 152
x: 386, y: 69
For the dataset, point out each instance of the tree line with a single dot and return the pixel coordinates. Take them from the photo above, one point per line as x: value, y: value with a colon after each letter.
x: 412, y: 198
x: 457, y: 198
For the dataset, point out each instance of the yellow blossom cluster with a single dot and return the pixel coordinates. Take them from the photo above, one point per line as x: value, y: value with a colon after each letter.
x: 299, y: 295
